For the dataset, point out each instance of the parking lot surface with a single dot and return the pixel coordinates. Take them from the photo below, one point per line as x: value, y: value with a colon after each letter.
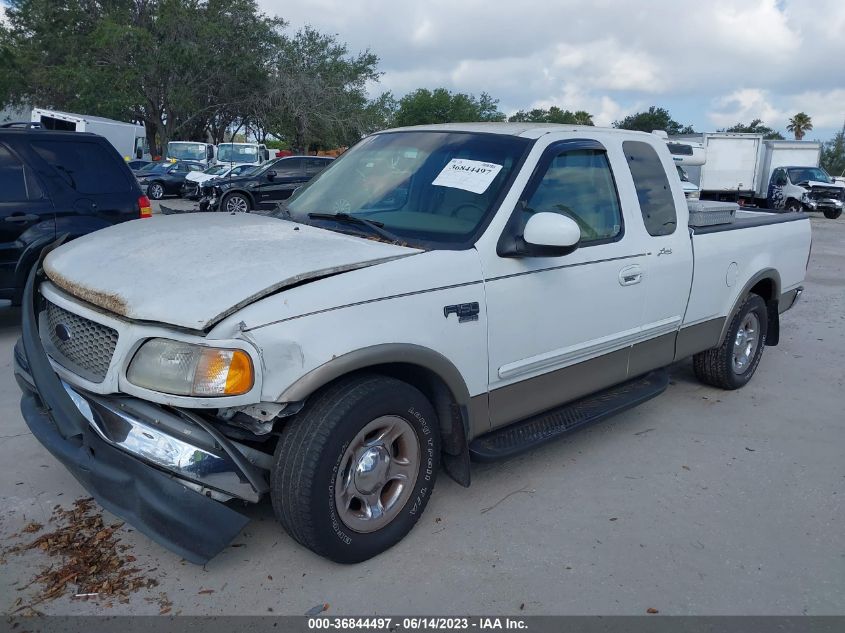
x: 700, y: 501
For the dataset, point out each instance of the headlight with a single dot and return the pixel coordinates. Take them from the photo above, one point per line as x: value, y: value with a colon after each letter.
x: 183, y: 369
x: 693, y: 195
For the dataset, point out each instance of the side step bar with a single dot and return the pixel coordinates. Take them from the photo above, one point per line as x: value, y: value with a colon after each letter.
x: 522, y: 436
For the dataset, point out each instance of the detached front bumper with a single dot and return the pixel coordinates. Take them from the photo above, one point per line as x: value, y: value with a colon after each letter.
x: 129, y: 456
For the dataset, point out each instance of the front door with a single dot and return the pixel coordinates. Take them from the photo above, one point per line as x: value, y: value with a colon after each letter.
x: 562, y: 327
x: 24, y: 209
x: 289, y: 174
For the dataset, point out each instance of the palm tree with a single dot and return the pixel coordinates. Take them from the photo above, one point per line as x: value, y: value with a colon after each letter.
x: 799, y: 125
x: 583, y: 118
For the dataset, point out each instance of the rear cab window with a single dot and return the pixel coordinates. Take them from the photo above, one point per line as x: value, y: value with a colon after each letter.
x: 653, y: 191
x: 86, y: 166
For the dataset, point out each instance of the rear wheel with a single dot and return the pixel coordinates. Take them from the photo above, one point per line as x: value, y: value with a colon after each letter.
x: 355, y: 471
x: 733, y: 363
x: 832, y: 214
x: 235, y: 203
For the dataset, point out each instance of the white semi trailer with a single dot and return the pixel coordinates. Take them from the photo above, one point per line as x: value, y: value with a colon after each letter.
x: 129, y: 139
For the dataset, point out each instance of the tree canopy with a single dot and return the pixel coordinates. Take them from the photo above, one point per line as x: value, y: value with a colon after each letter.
x: 553, y: 115
x: 755, y: 127
x: 799, y: 125
x: 833, y: 155
x: 442, y: 106
x: 654, y: 118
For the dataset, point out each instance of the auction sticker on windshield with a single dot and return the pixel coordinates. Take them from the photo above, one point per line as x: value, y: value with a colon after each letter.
x: 470, y: 175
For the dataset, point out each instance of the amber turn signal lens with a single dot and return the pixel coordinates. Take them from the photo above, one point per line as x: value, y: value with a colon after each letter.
x: 239, y: 379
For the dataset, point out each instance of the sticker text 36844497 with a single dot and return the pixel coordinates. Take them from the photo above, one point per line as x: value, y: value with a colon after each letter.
x: 470, y: 175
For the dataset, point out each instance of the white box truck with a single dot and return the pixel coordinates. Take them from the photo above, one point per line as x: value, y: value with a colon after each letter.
x: 732, y: 167
x: 130, y: 139
x: 205, y: 153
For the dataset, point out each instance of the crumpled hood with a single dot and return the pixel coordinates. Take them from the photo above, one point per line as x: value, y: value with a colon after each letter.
x: 823, y: 185
x: 193, y: 270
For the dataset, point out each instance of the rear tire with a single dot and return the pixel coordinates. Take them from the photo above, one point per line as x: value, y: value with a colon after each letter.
x: 832, y: 214
x: 354, y: 472
x: 733, y: 363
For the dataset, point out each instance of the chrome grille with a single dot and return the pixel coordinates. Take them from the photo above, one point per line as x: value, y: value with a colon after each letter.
x: 79, y: 344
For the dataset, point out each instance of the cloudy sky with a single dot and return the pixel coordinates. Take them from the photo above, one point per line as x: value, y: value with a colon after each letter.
x: 711, y: 63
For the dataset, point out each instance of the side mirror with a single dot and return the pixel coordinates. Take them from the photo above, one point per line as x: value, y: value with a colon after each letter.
x: 209, y: 152
x: 553, y: 231
x: 271, y: 175
x: 139, y: 153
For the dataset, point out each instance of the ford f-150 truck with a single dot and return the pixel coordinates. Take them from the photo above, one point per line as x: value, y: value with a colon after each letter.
x: 439, y: 294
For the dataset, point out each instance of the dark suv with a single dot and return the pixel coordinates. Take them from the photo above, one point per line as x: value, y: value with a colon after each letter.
x: 55, y: 183
x: 264, y: 187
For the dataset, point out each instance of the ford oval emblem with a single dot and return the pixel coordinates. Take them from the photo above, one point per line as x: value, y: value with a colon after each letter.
x: 63, y: 333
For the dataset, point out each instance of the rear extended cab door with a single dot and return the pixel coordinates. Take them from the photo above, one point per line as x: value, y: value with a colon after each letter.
x: 667, y: 265
x: 562, y: 327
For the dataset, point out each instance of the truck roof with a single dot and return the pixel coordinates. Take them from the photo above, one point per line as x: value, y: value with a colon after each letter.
x: 81, y: 117
x: 529, y: 130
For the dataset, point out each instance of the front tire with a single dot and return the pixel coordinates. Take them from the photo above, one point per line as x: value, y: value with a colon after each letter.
x: 155, y: 191
x: 733, y: 363
x: 235, y: 203
x: 354, y: 472
x: 794, y: 206
x: 832, y: 214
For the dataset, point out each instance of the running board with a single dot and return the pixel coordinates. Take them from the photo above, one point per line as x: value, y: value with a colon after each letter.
x: 534, y: 431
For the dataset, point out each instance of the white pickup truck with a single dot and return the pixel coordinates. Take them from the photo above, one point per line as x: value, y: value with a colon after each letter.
x: 438, y: 294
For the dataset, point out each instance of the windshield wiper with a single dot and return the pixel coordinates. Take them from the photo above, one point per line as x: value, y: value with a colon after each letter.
x: 375, y: 227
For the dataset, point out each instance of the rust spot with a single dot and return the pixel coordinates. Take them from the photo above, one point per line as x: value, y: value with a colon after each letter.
x: 106, y: 300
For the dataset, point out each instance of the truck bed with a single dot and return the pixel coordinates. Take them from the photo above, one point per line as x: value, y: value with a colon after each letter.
x: 732, y: 254
x: 749, y: 219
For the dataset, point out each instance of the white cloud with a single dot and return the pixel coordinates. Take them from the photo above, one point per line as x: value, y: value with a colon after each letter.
x: 707, y: 62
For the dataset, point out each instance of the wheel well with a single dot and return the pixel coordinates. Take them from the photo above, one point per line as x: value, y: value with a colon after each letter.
x: 767, y: 290
x: 245, y: 194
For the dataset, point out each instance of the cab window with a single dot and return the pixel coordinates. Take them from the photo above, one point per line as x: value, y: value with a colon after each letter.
x: 579, y: 183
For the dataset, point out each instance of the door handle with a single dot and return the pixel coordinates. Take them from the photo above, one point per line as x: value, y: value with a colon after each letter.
x: 630, y: 275
x: 22, y: 218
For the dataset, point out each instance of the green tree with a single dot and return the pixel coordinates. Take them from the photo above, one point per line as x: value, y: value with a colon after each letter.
x: 552, y: 115
x: 799, y: 125
x: 442, y: 106
x: 654, y: 118
x: 755, y: 127
x: 318, y: 93
x: 177, y: 65
x: 833, y: 155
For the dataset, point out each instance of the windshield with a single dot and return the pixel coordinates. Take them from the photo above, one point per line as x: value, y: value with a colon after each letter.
x: 429, y: 186
x: 154, y: 168
x: 186, y: 151
x: 804, y: 174
x: 237, y: 153
x: 217, y: 169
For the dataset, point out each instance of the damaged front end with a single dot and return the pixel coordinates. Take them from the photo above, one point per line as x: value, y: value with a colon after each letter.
x: 165, y: 470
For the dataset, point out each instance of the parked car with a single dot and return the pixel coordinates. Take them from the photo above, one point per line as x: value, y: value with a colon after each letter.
x: 137, y: 165
x: 264, y: 187
x: 193, y: 182
x: 57, y: 183
x: 438, y: 294
x: 165, y: 178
